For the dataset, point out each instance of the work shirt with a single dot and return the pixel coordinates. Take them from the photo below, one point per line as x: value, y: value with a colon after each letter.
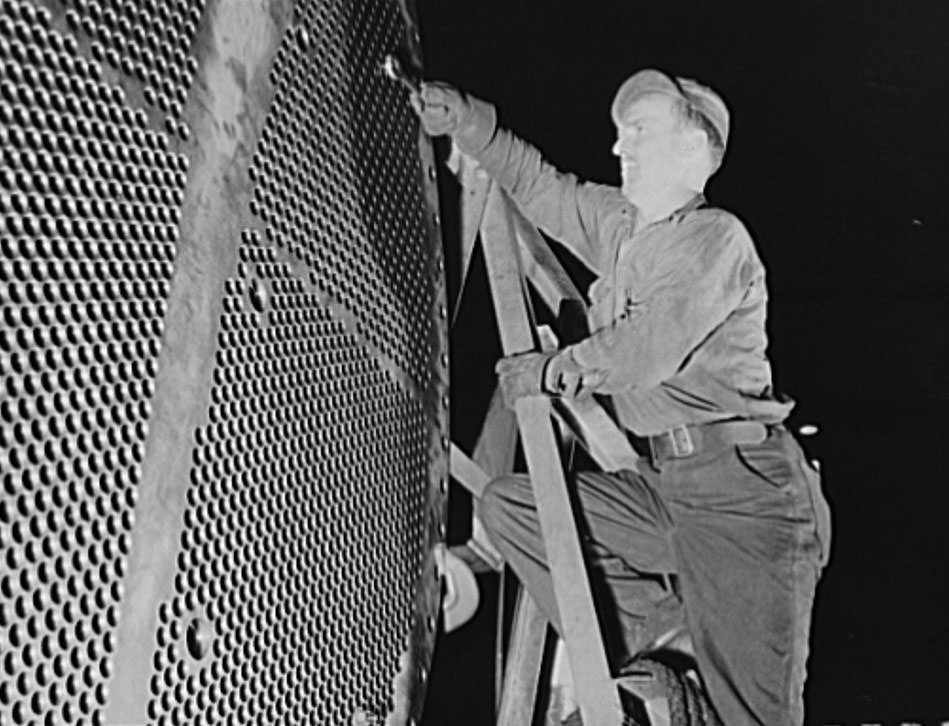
x: 677, y: 314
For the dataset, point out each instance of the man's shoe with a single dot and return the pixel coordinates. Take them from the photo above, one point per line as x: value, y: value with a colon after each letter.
x: 687, y: 701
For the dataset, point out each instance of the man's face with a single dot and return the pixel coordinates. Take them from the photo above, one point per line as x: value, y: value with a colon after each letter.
x: 649, y: 145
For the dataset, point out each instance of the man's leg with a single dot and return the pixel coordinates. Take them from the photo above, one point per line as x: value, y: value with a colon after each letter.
x: 625, y: 529
x: 751, y: 534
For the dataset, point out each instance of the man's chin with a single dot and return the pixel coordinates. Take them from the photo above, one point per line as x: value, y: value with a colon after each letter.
x: 629, y: 191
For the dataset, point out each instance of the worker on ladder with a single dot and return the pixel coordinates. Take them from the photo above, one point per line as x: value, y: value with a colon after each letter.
x: 724, y: 499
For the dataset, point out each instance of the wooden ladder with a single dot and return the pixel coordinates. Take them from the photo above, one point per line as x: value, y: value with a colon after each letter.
x: 514, y: 252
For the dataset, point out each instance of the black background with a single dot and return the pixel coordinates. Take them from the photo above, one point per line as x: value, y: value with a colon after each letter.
x: 838, y: 163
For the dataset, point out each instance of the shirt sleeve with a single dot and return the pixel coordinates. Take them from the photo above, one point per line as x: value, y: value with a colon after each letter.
x: 698, y: 284
x: 573, y: 212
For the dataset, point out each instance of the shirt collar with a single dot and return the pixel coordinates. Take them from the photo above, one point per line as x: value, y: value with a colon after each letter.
x: 690, y: 206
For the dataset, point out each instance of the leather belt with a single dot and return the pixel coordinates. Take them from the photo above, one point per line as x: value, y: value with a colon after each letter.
x: 683, y: 441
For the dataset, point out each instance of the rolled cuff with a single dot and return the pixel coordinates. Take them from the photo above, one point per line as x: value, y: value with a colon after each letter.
x: 477, y: 128
x: 590, y: 356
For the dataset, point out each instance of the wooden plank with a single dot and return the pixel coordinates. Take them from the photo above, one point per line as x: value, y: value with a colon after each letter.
x: 504, y: 275
x: 598, y: 697
x: 475, y: 184
x: 497, y: 442
x: 590, y: 424
x: 594, y: 428
x: 466, y: 472
x: 540, y: 265
x: 599, y: 434
x: 494, y: 454
x: 494, y: 450
x: 525, y: 656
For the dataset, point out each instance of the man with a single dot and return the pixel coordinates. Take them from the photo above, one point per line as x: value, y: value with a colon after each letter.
x: 725, y: 499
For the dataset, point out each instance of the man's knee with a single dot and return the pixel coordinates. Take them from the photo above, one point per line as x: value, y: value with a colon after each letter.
x: 491, y: 504
x: 495, y: 503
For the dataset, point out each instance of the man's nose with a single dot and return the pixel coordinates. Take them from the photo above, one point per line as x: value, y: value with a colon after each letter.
x: 617, y: 148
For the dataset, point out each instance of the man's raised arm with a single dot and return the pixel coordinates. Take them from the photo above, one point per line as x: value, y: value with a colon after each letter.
x: 571, y: 211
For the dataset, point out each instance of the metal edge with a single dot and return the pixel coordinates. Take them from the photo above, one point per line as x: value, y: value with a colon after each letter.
x: 410, y: 684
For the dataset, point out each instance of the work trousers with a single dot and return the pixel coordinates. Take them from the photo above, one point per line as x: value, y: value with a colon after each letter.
x: 744, y: 529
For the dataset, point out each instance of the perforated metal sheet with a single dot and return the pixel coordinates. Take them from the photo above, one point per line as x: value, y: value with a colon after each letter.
x: 222, y: 351
x: 319, y: 176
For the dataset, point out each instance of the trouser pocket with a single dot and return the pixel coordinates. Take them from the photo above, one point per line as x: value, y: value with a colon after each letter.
x: 821, y: 511
x: 766, y: 462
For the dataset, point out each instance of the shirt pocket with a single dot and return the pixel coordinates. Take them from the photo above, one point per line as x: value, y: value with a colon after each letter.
x: 629, y: 304
x: 634, y: 286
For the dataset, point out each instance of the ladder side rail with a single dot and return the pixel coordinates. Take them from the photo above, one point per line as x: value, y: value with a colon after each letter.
x: 598, y: 697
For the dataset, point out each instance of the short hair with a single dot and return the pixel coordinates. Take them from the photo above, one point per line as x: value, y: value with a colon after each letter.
x: 691, y: 117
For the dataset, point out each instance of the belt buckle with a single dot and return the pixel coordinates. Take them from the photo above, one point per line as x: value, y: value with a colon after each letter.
x: 681, y: 441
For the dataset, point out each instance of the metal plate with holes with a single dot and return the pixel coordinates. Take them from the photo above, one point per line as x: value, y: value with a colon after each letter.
x: 223, y: 416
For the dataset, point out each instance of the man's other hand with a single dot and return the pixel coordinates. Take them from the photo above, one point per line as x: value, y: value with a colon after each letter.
x: 556, y: 374
x: 566, y: 378
x: 521, y: 375
x: 440, y: 107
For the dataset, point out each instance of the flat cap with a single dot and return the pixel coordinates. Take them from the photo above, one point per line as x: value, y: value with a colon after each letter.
x: 702, y: 98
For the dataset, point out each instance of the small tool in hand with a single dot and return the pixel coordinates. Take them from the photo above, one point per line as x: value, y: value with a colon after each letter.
x: 392, y: 69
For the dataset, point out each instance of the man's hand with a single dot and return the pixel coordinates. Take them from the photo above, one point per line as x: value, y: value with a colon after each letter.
x: 521, y: 375
x: 441, y: 108
x: 556, y: 374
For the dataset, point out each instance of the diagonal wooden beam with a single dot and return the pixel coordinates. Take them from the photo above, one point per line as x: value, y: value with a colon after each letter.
x: 598, y: 697
x: 540, y: 265
x: 598, y: 433
x: 475, y: 184
x: 466, y: 472
x: 494, y: 450
x: 525, y: 655
x: 593, y: 427
x: 494, y: 455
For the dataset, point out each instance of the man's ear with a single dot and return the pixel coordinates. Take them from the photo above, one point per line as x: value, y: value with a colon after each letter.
x: 694, y: 140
